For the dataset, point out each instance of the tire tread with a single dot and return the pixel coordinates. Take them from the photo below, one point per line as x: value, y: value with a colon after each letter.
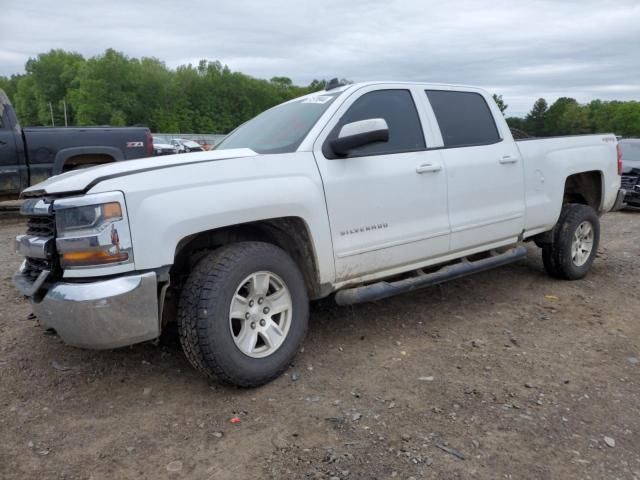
x: 554, y: 255
x: 203, y: 289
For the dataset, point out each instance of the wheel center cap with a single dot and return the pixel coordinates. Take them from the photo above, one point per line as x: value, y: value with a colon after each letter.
x: 254, y: 313
x: 257, y: 310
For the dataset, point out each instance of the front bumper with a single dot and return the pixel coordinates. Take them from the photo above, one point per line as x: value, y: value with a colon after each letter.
x: 102, y: 314
x: 620, y: 199
x: 632, y: 197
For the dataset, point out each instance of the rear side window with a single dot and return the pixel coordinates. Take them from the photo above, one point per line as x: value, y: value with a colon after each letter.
x: 464, y: 118
x: 398, y: 110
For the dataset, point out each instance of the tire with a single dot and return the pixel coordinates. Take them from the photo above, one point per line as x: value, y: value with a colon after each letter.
x: 559, y: 257
x: 549, y: 262
x: 213, y: 341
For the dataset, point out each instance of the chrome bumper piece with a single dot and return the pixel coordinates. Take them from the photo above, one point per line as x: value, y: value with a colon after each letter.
x: 619, y: 203
x: 102, y: 314
x: 34, y: 246
x: 27, y: 286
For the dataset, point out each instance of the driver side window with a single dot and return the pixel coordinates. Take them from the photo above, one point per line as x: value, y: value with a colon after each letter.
x: 397, y: 108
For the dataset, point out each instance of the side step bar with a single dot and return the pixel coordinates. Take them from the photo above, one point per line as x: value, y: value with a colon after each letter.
x: 380, y: 290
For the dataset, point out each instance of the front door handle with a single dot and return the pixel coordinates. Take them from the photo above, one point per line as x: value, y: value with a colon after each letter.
x: 428, y: 167
x: 508, y: 159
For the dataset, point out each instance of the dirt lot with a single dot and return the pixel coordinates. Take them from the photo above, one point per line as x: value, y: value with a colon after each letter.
x: 506, y: 374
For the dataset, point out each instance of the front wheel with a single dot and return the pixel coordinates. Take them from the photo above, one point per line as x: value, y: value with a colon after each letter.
x: 574, y: 244
x: 243, y: 313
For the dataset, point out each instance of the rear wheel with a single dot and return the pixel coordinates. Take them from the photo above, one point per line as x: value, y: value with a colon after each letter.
x: 574, y: 244
x: 243, y: 313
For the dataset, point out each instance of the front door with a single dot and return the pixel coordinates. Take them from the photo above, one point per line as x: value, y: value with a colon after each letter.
x: 387, y: 201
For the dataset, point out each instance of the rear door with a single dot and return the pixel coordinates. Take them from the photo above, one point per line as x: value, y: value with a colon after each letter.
x: 387, y: 201
x: 485, y: 176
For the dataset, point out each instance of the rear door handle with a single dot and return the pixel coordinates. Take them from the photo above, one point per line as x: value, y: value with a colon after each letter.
x: 508, y: 159
x: 428, y: 167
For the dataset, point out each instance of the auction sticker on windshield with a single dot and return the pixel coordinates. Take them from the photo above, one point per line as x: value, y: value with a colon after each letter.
x: 321, y: 99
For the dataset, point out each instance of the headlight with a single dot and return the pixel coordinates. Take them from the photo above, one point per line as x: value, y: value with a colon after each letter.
x: 92, y: 231
x: 76, y: 219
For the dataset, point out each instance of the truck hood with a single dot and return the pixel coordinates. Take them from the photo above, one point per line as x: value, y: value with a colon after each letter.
x: 78, y: 181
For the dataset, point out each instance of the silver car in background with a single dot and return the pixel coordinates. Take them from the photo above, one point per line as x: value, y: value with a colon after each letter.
x: 186, y: 146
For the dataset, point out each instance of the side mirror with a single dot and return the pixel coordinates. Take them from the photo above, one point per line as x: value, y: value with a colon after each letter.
x: 357, y: 134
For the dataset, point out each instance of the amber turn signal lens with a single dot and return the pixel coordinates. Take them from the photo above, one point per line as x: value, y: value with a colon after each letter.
x: 111, y: 210
x: 92, y: 257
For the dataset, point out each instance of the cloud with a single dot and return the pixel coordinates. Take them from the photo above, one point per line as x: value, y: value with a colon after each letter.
x: 524, y: 50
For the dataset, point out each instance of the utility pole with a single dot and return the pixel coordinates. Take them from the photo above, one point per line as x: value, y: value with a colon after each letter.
x: 64, y: 104
x: 53, y: 124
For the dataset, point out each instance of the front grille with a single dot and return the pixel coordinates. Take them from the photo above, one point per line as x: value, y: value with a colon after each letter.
x: 34, y: 266
x: 628, y: 182
x: 41, y: 226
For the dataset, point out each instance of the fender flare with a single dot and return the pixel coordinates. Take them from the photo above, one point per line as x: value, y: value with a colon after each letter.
x: 65, y: 154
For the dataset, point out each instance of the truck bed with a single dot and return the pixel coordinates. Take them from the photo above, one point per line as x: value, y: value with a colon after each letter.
x: 549, y: 161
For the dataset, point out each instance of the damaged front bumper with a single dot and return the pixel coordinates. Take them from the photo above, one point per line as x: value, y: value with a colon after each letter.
x: 101, y: 314
x: 632, y: 197
x: 620, y: 199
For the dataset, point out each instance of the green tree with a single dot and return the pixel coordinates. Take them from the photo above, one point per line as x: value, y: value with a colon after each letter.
x: 10, y: 85
x: 105, y: 84
x: 574, y: 120
x: 113, y: 88
x: 626, y: 119
x: 535, y: 119
x: 52, y: 75
x: 614, y: 117
x: 282, y: 81
x: 518, y: 124
x: 500, y: 102
x: 26, y: 102
x: 317, y: 85
x: 554, y: 124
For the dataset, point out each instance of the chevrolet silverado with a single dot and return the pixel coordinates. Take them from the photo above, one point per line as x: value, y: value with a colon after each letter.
x: 362, y: 191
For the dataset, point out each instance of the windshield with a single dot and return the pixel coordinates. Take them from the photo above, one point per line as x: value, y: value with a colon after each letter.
x: 157, y: 139
x: 630, y: 151
x: 280, y: 129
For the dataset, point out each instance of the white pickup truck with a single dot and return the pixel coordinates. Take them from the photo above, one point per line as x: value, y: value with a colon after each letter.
x: 365, y: 191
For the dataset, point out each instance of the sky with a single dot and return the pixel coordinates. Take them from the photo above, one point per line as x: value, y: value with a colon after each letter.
x: 520, y: 49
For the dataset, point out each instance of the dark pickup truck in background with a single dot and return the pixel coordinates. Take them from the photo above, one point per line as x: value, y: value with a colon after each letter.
x: 30, y: 155
x: 630, y: 149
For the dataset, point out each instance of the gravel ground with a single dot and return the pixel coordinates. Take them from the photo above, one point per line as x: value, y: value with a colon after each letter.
x: 505, y: 374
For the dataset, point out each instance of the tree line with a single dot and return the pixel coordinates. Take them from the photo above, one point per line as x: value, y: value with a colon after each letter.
x: 114, y: 89
x: 566, y: 116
